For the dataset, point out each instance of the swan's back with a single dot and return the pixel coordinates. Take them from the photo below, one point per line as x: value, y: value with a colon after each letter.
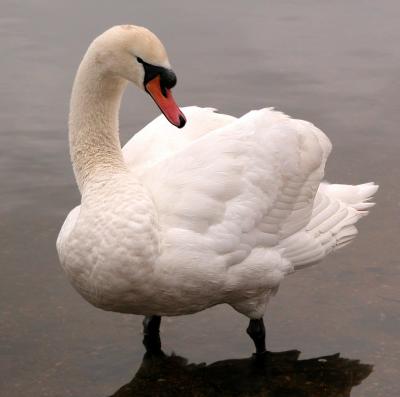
x: 265, y: 162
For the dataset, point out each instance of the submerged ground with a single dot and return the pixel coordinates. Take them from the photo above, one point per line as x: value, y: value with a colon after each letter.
x: 336, y: 64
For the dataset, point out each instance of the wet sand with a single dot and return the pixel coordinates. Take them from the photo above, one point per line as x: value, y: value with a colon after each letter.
x: 334, y: 64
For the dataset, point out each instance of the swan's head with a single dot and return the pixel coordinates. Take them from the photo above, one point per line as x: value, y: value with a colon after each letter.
x: 137, y: 55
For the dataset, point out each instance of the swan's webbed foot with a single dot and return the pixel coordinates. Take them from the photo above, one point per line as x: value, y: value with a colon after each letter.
x: 151, y: 335
x: 256, y: 331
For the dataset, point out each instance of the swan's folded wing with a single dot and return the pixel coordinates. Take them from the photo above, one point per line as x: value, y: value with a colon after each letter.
x: 160, y: 139
x: 240, y: 187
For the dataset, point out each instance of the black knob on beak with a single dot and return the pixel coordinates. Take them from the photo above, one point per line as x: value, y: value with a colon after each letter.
x: 168, y: 78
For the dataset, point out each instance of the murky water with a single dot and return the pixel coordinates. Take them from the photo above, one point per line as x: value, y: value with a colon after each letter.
x: 334, y: 63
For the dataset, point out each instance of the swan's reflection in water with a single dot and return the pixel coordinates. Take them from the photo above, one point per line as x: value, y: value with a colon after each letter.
x: 278, y: 375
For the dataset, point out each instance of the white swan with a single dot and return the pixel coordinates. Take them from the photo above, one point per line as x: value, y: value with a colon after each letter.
x: 179, y: 221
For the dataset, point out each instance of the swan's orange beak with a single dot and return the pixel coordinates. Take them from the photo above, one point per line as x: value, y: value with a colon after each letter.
x: 162, y: 96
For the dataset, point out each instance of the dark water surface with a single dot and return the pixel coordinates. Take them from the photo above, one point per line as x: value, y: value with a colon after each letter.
x: 336, y: 64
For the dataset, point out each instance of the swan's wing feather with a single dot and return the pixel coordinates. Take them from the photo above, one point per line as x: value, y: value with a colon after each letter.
x: 160, y: 139
x: 335, y: 211
x: 241, y: 187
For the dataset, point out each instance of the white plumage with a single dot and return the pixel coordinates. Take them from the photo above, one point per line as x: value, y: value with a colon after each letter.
x: 218, y: 212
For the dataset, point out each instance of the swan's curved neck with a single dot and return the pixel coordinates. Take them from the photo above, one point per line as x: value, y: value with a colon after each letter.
x: 93, y: 124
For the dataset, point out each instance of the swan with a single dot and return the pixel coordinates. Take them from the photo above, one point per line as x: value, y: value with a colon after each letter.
x: 181, y: 220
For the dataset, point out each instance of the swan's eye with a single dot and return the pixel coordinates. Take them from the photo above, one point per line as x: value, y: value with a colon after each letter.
x: 140, y: 60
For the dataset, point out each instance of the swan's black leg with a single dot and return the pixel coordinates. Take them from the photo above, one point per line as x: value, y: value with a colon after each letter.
x: 256, y: 331
x: 151, y: 334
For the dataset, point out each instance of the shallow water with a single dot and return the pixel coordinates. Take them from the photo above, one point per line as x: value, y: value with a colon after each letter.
x: 336, y: 64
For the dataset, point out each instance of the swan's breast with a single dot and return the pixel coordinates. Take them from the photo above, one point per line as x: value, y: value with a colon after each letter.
x: 108, y: 248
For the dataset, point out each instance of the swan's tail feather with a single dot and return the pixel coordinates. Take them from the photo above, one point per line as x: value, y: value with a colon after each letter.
x: 357, y: 196
x: 337, y: 208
